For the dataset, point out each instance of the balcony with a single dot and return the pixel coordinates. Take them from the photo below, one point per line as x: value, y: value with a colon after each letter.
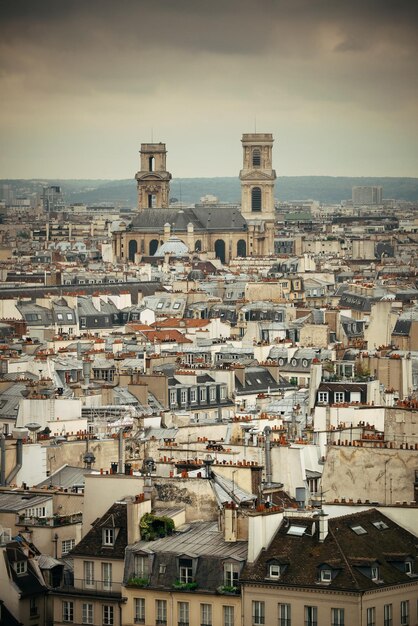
x: 95, y: 588
x: 55, y: 520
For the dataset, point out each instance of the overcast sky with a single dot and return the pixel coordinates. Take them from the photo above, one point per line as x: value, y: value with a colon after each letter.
x: 84, y: 82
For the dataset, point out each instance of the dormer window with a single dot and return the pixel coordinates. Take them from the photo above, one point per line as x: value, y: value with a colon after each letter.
x: 21, y: 567
x: 274, y: 570
x: 108, y: 536
x: 326, y: 576
x: 185, y: 570
x: 374, y: 573
x: 408, y: 568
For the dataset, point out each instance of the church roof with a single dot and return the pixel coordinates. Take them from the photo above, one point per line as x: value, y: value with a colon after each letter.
x: 202, y: 218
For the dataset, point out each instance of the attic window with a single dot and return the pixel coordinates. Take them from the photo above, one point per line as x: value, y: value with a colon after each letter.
x: 176, y: 305
x: 274, y: 570
x: 326, y: 576
x: 296, y: 531
x: 21, y: 567
x: 160, y: 305
x: 108, y: 536
x: 359, y: 530
x: 374, y: 572
x: 380, y: 525
x: 408, y: 568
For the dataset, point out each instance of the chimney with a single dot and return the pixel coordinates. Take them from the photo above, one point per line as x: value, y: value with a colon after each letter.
x: 230, y: 522
x: 323, y: 526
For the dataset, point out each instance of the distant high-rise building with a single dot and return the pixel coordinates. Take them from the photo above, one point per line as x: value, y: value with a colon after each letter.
x: 367, y: 194
x: 52, y: 199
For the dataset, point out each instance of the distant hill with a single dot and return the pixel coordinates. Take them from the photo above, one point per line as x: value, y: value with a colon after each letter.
x: 327, y: 189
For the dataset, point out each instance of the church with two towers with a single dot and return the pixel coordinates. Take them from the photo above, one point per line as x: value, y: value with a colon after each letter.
x: 224, y: 232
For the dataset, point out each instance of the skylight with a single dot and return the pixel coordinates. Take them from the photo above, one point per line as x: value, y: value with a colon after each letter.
x: 380, y: 525
x: 296, y: 531
x: 359, y: 530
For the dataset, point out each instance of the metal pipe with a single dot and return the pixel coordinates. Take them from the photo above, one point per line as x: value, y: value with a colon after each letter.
x: 3, y: 460
x: 121, y: 469
x: 267, y: 433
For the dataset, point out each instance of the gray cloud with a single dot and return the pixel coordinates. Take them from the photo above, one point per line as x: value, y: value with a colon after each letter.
x: 99, y: 71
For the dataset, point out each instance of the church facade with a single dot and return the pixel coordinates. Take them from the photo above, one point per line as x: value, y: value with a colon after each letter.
x: 222, y: 232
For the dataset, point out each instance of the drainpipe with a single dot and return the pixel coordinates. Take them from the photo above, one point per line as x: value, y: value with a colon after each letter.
x: 3, y: 460
x: 18, y: 466
x: 121, y: 453
x: 267, y: 433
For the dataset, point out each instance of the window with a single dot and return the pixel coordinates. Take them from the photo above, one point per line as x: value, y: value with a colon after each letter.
x: 256, y: 199
x: 67, y: 611
x: 107, y: 575
x: 87, y: 613
x: 108, y: 536
x: 185, y: 570
x: 380, y: 525
x: 274, y: 570
x: 193, y: 395
x: 70, y: 317
x: 323, y: 396
x: 212, y: 393
x: 258, y: 613
x: 371, y: 616
x: 326, y: 576
x: 359, y: 530
x: 231, y: 574
x: 284, y: 615
x: 139, y: 610
x: 311, y: 616
x: 183, y: 396
x: 108, y: 615
x: 183, y: 613
x: 202, y: 394
x: 173, y: 396
x: 405, y: 613
x: 176, y: 305
x: 408, y: 568
x: 387, y: 615
x: 60, y: 316
x: 21, y: 567
x: 375, y: 573
x: 256, y: 157
x: 339, y: 397
x: 337, y: 617
x: 141, y: 566
x: 161, y: 611
x: 228, y: 614
x: 67, y: 545
x: 33, y: 607
x: 88, y: 573
x: 205, y: 615
x: 223, y: 393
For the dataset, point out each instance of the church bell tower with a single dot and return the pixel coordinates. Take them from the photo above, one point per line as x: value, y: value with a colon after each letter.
x: 257, y: 177
x: 153, y: 180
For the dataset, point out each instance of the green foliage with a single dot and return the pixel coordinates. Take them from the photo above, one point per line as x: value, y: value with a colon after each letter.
x: 138, y: 582
x: 361, y: 371
x: 154, y: 527
x: 185, y: 586
x: 227, y: 589
x: 23, y: 234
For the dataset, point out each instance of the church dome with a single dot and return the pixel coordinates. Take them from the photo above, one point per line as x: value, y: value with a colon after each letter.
x: 174, y: 247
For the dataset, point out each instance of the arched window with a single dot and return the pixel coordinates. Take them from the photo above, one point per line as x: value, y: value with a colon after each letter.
x: 220, y: 249
x: 151, y: 162
x: 132, y: 249
x: 256, y: 157
x: 153, y: 246
x: 242, y: 248
x: 198, y: 246
x: 256, y: 199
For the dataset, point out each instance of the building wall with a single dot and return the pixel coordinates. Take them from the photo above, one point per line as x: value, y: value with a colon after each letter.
x: 375, y: 474
x: 355, y: 606
x: 194, y: 599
